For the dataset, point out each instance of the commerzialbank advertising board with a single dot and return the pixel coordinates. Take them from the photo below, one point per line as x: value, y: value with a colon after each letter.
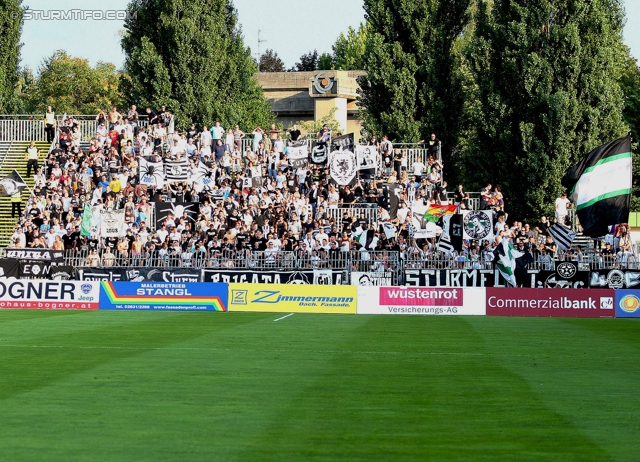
x: 575, y: 303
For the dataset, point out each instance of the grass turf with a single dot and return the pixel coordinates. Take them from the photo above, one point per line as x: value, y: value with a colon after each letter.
x: 241, y: 387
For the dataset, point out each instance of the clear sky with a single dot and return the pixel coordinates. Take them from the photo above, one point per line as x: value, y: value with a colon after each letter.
x: 291, y: 28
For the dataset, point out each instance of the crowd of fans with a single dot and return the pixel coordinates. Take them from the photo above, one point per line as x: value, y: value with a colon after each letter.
x: 288, y: 211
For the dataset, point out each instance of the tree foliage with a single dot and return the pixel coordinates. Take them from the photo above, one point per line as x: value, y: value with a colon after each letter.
x: 348, y: 51
x: 630, y: 85
x: 325, y: 62
x: 546, y: 94
x: 191, y: 57
x: 411, y: 87
x: 10, y: 30
x: 308, y: 62
x: 270, y: 62
x: 71, y: 85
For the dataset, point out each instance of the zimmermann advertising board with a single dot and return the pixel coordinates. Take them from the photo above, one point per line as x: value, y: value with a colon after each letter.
x: 421, y: 300
x: 292, y: 298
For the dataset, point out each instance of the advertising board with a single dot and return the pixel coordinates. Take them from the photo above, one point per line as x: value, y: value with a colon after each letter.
x: 421, y: 300
x: 577, y: 303
x: 627, y: 303
x: 177, y: 296
x: 292, y: 298
x: 49, y: 295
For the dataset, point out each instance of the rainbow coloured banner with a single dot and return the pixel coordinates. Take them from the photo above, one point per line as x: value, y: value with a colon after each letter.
x: 175, y: 296
x: 436, y: 211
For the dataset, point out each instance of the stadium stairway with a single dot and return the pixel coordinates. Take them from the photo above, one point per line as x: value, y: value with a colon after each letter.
x: 12, y: 158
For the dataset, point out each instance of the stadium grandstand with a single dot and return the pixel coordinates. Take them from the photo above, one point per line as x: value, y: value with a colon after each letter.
x: 126, y: 190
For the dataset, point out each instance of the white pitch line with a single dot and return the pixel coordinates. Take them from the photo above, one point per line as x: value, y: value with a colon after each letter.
x: 276, y: 320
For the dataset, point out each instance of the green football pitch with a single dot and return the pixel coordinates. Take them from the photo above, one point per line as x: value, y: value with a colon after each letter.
x: 240, y: 387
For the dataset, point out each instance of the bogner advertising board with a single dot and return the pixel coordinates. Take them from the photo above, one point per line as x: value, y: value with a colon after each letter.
x: 421, y: 300
x: 575, y: 303
x: 176, y: 296
x: 627, y: 303
x: 292, y: 298
x: 49, y: 295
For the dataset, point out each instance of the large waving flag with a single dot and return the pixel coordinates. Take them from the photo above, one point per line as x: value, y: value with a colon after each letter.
x: 600, y: 187
x: 505, y: 257
x: 11, y: 184
x: 436, y: 211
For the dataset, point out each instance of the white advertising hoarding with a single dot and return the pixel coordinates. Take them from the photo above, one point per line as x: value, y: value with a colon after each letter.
x: 450, y: 301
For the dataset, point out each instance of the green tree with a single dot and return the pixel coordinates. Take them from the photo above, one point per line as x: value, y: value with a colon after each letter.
x: 270, y: 62
x: 349, y: 50
x: 308, y: 62
x: 547, y: 93
x: 71, y: 85
x: 10, y: 30
x: 411, y: 88
x: 26, y: 85
x: 325, y: 62
x: 191, y: 57
x: 630, y: 85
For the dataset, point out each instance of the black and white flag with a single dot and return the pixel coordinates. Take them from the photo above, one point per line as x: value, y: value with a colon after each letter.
x: 176, y: 171
x: 342, y: 166
x: 178, y: 210
x: 112, y: 223
x: 12, y: 184
x: 204, y: 179
x: 151, y: 173
x: 562, y: 236
x: 319, y: 153
x: 298, y: 156
x: 367, y: 157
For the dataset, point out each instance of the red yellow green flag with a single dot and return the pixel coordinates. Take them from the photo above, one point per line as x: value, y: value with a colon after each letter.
x: 436, y: 211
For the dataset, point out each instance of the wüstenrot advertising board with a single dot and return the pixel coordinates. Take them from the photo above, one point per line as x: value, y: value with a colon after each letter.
x: 292, y: 298
x: 174, y: 296
x: 576, y: 303
x: 421, y: 300
x: 49, y: 295
x: 627, y: 303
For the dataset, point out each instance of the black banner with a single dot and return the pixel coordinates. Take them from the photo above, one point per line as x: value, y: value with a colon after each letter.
x: 322, y: 277
x: 614, y: 278
x: 9, y: 268
x: 35, y: 255
x: 163, y: 209
x: 343, y: 142
x: 35, y: 269
x: 62, y: 273
x: 566, y: 276
x: 455, y: 231
x: 140, y: 274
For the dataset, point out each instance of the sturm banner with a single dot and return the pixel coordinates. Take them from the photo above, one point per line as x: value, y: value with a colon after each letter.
x: 318, y: 277
x: 565, y: 276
